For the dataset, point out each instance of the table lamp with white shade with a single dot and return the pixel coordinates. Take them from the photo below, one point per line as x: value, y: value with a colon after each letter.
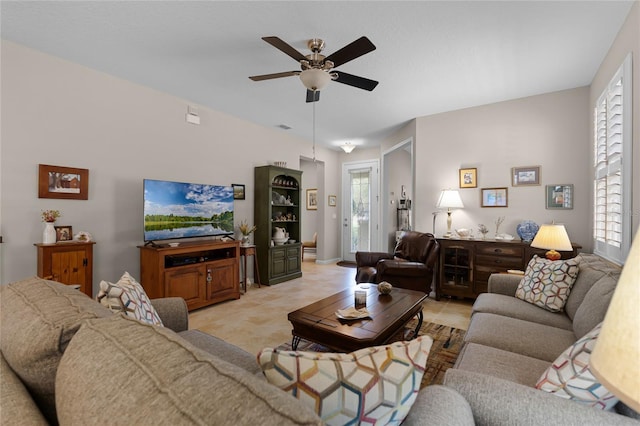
x: 615, y: 360
x: 552, y: 237
x: 449, y: 199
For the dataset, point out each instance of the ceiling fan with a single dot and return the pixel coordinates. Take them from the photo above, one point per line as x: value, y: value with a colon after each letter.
x: 317, y: 69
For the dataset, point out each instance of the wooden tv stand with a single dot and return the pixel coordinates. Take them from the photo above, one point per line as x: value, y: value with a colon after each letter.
x: 202, y: 273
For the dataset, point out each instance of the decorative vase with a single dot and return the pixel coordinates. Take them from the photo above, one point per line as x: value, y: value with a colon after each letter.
x: 49, y: 234
x: 527, y: 230
x: 245, y: 241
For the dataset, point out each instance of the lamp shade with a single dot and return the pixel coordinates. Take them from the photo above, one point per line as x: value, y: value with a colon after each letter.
x: 552, y: 237
x: 615, y: 360
x: 450, y: 198
x: 315, y: 79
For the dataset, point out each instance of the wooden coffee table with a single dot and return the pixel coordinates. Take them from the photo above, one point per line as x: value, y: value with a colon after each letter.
x: 318, y: 322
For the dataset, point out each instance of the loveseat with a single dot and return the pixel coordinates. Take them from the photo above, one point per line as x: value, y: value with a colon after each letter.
x: 510, y: 343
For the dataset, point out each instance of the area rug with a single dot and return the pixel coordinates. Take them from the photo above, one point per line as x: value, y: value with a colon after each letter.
x: 346, y: 264
x: 447, y: 342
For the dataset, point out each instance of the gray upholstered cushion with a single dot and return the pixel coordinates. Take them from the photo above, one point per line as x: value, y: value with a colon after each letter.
x: 439, y: 405
x: 223, y: 350
x: 498, y: 402
x: 594, y: 307
x: 39, y: 318
x: 511, y: 307
x: 120, y: 371
x: 522, y: 337
x: 502, y: 364
x: 18, y: 408
x: 592, y: 268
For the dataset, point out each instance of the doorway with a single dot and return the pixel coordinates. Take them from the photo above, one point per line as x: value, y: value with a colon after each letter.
x: 398, y: 176
x: 361, y: 206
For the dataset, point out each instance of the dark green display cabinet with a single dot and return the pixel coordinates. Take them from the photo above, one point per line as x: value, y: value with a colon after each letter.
x: 278, y: 205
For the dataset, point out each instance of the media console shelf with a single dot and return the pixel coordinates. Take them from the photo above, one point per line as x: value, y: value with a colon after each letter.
x: 202, y: 273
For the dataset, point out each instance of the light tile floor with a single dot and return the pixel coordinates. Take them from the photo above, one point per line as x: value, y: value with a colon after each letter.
x: 259, y: 318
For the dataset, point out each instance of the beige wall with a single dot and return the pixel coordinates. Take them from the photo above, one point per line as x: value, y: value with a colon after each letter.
x: 60, y: 113
x: 627, y: 41
x: 549, y: 130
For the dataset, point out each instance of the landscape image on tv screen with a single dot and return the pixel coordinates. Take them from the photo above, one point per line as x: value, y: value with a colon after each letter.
x: 186, y: 210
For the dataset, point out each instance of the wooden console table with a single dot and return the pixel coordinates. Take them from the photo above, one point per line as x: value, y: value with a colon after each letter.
x: 464, y: 266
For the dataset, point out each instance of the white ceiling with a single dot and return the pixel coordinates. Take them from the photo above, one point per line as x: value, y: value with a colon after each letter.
x: 431, y: 56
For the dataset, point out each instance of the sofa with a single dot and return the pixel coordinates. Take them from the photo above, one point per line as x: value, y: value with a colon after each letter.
x: 510, y: 343
x: 66, y: 359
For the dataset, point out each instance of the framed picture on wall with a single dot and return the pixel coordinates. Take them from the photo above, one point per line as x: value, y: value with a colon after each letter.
x: 468, y: 178
x: 332, y: 201
x: 312, y: 199
x: 559, y: 197
x: 525, y: 176
x: 494, y: 197
x: 238, y: 191
x: 63, y: 182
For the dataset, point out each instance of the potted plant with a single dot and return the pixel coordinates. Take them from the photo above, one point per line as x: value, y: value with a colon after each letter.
x: 245, y: 230
x: 49, y: 217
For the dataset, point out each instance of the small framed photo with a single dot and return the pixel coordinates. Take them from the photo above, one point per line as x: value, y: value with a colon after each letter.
x: 559, y: 197
x: 468, y: 178
x: 494, y: 197
x: 238, y: 191
x: 63, y: 182
x: 332, y: 201
x: 312, y: 199
x: 525, y: 176
x: 63, y: 233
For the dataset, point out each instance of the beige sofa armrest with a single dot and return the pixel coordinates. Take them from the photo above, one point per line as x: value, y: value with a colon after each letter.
x: 504, y: 284
x: 173, y: 312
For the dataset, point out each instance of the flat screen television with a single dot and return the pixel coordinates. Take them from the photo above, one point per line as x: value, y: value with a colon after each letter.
x: 186, y: 210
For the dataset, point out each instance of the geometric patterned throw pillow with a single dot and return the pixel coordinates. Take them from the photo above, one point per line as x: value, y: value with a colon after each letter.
x: 547, y: 283
x: 372, y: 385
x: 570, y: 377
x: 128, y: 296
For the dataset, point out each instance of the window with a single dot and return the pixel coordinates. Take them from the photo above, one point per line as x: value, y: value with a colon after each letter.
x: 612, y: 167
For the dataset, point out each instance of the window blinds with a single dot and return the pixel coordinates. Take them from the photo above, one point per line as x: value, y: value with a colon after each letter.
x: 611, y: 143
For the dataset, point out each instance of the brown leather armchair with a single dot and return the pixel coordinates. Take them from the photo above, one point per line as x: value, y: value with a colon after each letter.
x: 411, y: 266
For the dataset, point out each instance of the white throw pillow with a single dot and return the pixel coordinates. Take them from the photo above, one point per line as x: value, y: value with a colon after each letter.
x: 547, y: 283
x: 570, y: 376
x: 128, y: 296
x: 371, y: 385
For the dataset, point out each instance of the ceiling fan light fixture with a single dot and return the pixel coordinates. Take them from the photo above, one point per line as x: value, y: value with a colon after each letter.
x: 315, y: 79
x: 347, y: 147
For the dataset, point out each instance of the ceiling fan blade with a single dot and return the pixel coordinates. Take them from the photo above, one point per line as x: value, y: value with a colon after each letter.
x: 276, y: 75
x: 351, y: 51
x: 313, y: 95
x: 284, y: 47
x: 355, y: 81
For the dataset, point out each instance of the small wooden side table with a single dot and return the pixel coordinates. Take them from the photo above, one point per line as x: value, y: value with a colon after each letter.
x: 246, y: 251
